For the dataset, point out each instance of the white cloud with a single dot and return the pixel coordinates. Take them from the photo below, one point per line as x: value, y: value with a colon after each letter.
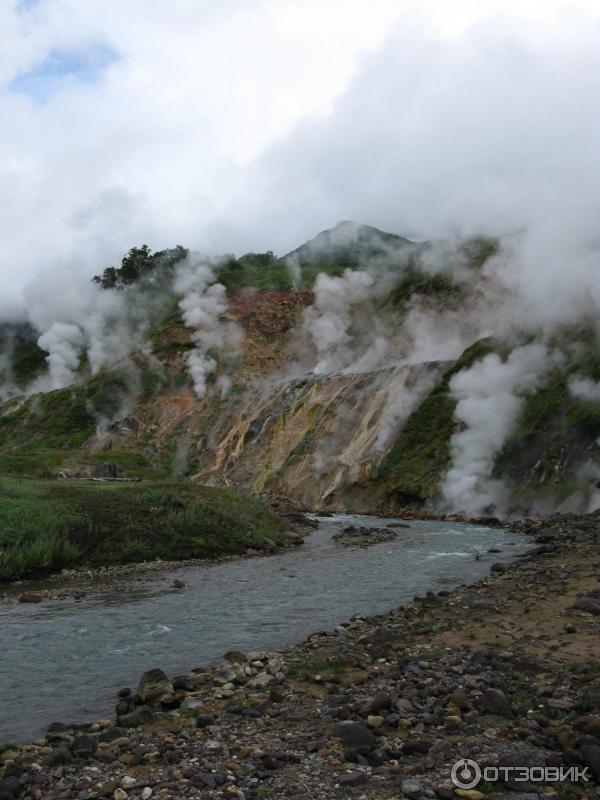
x: 254, y: 123
x: 146, y: 151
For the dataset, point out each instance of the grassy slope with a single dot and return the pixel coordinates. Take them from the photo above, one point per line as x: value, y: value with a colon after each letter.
x: 413, y: 467
x: 47, y: 525
x: 48, y: 430
x: 556, y: 432
x: 265, y: 272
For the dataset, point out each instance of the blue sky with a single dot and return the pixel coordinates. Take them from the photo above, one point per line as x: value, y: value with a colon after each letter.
x: 25, y: 5
x: 62, y: 67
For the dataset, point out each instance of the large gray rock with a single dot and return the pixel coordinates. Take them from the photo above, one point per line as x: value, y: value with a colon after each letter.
x: 354, y: 736
x: 59, y: 756
x: 10, y: 787
x: 589, y: 605
x: 353, y: 779
x: 155, y: 688
x: 84, y: 745
x: 590, y: 757
x: 139, y: 716
x: 494, y: 702
x: 381, y: 702
x: 261, y: 681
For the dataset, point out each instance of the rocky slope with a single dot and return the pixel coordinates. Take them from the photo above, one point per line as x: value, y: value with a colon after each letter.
x: 366, y: 425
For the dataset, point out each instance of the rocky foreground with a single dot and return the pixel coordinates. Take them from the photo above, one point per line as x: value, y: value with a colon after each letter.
x: 505, y: 672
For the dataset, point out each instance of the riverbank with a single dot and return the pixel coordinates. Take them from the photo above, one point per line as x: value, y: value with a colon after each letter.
x: 77, y: 583
x: 47, y: 526
x: 506, y: 672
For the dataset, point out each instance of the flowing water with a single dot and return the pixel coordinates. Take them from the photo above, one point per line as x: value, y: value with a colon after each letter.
x: 64, y: 660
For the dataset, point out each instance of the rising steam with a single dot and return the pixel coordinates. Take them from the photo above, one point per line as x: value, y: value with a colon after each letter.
x: 584, y: 389
x: 202, y: 305
x: 331, y: 326
x: 489, y: 397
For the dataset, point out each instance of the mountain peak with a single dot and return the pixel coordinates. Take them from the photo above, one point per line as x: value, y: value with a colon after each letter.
x: 348, y: 242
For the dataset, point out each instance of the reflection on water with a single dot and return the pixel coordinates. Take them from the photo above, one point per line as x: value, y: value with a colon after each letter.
x: 64, y: 660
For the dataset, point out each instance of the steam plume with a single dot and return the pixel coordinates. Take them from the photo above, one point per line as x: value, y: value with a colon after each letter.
x: 328, y: 323
x: 489, y: 397
x: 584, y: 389
x: 64, y: 343
x: 202, y: 305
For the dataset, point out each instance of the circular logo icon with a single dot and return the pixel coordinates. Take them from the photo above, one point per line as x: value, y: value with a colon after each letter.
x: 465, y: 773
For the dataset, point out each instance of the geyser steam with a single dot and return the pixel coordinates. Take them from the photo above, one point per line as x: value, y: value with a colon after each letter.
x: 489, y: 397
x: 202, y: 305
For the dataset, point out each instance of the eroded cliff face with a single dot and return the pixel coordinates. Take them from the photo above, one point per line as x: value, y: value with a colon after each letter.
x: 300, y: 408
x: 305, y: 439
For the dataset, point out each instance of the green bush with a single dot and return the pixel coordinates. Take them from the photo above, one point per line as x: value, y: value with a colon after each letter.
x: 28, y: 361
x: 414, y: 281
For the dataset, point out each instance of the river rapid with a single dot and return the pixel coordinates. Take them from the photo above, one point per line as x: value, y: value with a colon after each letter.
x: 64, y: 660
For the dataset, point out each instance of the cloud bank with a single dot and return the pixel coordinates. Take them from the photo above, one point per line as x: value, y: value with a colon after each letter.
x: 251, y: 125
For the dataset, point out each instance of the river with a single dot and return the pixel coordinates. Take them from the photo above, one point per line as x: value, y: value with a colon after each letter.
x: 64, y: 660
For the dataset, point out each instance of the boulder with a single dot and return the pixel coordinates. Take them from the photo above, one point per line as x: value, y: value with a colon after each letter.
x: 59, y: 756
x: 353, y: 779
x: 354, y: 736
x: 590, y: 757
x: 415, y: 745
x: 236, y: 657
x: 107, y: 469
x: 139, y: 716
x: 261, y: 681
x: 10, y: 787
x: 84, y: 745
x: 588, y: 604
x: 494, y: 702
x: 111, y: 734
x: 155, y: 688
x: 381, y: 702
